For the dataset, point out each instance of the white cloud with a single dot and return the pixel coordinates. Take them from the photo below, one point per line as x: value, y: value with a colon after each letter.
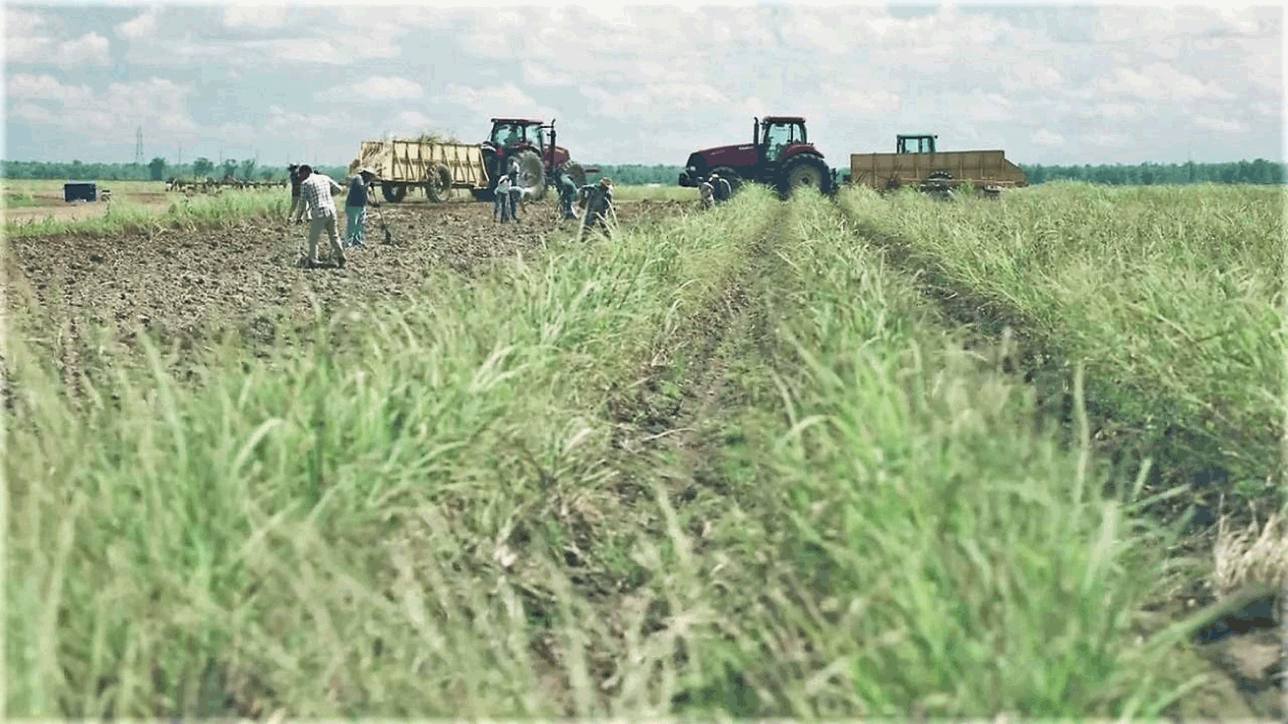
x: 305, y: 126
x: 21, y: 23
x: 1220, y: 125
x: 543, y: 75
x: 263, y: 17
x: 653, y: 99
x: 112, y: 115
x: 375, y: 89
x: 45, y: 87
x: 1030, y: 75
x: 1157, y: 82
x: 506, y: 100
x: 142, y: 27
x: 31, y: 112
x: 89, y: 49
x: 1043, y: 137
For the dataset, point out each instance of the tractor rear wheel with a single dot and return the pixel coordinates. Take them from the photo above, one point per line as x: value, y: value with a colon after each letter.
x: 438, y: 186
x: 803, y: 171
x: 532, y: 174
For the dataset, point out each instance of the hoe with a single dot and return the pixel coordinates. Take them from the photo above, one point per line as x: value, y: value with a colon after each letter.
x: 389, y: 237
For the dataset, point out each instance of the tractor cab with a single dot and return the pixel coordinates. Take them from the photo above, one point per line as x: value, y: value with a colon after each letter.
x: 530, y: 145
x: 512, y: 132
x: 774, y: 134
x: 916, y: 143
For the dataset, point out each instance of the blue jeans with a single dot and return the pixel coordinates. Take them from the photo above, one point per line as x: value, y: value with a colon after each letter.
x: 355, y: 234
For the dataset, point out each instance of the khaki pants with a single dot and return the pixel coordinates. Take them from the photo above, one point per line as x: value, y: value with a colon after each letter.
x: 316, y: 227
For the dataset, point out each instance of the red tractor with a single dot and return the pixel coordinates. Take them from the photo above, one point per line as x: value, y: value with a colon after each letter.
x: 523, y: 141
x: 779, y: 155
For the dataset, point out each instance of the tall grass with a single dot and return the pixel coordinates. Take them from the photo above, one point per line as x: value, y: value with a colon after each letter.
x: 1169, y: 294
x: 431, y: 510
x: 187, y: 212
x: 923, y: 550
x: 377, y: 528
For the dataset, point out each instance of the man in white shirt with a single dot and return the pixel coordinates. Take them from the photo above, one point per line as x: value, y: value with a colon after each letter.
x: 316, y: 190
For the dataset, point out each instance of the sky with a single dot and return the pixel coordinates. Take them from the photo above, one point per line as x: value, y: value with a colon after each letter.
x: 1048, y: 83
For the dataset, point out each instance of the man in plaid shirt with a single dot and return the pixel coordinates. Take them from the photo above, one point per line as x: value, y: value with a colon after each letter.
x: 315, y: 197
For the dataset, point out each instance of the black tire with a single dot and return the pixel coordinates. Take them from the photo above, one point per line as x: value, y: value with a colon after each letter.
x: 940, y: 174
x: 728, y: 174
x: 438, y: 186
x: 532, y: 174
x: 493, y: 173
x: 394, y: 192
x: 801, y: 171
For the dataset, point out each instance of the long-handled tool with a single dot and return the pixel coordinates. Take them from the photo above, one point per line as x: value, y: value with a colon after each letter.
x: 389, y: 236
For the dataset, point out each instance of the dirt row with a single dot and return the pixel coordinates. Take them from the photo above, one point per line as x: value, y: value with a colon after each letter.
x: 182, y: 285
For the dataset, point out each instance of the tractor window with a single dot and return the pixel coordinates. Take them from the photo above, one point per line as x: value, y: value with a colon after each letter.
x: 780, y: 136
x: 918, y: 145
x: 507, y: 134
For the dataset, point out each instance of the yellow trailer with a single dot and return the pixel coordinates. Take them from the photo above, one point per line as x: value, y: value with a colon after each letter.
x: 436, y: 166
x: 989, y: 170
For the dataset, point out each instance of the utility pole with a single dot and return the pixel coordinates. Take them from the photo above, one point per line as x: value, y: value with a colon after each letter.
x: 138, y: 146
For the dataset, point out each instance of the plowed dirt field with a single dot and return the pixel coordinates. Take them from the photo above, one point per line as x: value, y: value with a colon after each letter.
x: 184, y: 286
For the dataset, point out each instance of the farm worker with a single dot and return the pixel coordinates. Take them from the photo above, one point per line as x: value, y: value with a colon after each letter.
x: 315, y: 197
x: 706, y: 193
x: 567, y: 192
x: 355, y: 206
x: 599, y: 206
x: 501, y: 202
x: 721, y: 187
x: 517, y: 192
x: 295, y: 189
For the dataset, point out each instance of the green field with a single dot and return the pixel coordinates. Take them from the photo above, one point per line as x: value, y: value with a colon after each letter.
x: 775, y: 459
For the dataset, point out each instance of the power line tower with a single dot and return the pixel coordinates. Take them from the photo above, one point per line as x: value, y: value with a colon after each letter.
x: 138, y: 147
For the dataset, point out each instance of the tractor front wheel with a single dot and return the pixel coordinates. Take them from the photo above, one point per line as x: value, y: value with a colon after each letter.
x: 532, y: 174
x: 802, y: 171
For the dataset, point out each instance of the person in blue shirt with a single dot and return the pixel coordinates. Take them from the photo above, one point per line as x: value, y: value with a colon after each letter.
x: 355, y: 206
x: 567, y: 193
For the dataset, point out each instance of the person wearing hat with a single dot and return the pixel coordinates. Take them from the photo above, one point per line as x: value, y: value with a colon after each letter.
x: 316, y: 191
x: 294, y: 170
x: 599, y: 207
x: 517, y: 192
x: 567, y: 193
x: 355, y: 206
x: 706, y: 193
x: 720, y: 186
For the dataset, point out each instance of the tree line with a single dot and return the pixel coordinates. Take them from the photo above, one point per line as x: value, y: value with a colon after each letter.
x: 1259, y: 171
x: 157, y: 170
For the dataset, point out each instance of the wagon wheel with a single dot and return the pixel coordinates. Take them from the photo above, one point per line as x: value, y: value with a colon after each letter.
x: 394, y: 192
x: 439, y: 184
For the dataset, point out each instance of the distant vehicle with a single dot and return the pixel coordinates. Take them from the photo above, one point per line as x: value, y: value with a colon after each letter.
x: 918, y: 163
x: 779, y: 155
